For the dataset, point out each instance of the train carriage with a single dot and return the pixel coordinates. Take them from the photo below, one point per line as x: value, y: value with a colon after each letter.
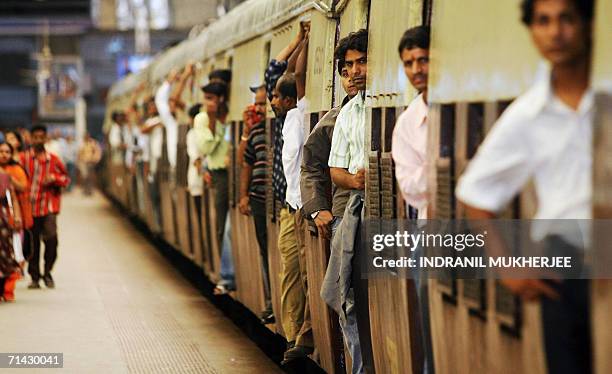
x: 476, y: 325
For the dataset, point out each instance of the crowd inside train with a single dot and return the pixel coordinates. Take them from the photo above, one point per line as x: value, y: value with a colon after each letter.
x: 320, y: 178
x: 34, y: 169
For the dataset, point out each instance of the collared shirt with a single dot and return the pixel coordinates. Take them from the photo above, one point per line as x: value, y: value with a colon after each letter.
x: 162, y: 102
x: 537, y: 137
x: 316, y: 184
x: 409, y: 148
x: 256, y: 155
x: 115, y: 139
x: 348, y: 142
x: 195, y: 183
x: 213, y: 146
x: 45, y: 199
x: 293, y: 142
x: 155, y: 146
x: 279, y: 184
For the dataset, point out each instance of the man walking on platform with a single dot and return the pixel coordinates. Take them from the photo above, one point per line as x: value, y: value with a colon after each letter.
x: 47, y: 175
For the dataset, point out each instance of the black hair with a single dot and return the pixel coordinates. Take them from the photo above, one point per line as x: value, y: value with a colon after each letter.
x: 416, y: 37
x: 216, y: 88
x: 223, y: 74
x: 42, y: 128
x: 357, y: 40
x: 286, y: 86
x: 11, y: 161
x: 584, y: 8
x: 194, y: 110
x: 340, y: 65
x: 19, y: 138
x: 116, y: 114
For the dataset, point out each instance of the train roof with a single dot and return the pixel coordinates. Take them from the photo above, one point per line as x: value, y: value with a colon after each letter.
x: 248, y: 20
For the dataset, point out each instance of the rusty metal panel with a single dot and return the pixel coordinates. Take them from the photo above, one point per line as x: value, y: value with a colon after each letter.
x: 247, y: 70
x: 321, y: 72
x: 387, y: 82
x: 467, y: 63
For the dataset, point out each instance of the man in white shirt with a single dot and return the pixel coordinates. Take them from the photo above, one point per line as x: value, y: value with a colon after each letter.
x: 293, y: 144
x: 162, y: 102
x: 546, y: 134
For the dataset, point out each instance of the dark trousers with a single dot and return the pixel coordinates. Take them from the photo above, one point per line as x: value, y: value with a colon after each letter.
x: 45, y: 229
x: 221, y: 184
x: 567, y: 328
x: 258, y: 210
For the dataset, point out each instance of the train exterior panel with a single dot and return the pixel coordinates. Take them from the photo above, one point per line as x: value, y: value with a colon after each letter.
x: 476, y: 326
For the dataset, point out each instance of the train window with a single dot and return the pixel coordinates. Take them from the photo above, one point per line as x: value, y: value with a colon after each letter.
x: 376, y: 128
x: 474, y: 294
x: 447, y: 130
x: 314, y: 119
x: 475, y: 128
x: 508, y: 311
x: 390, y: 114
x: 427, y: 6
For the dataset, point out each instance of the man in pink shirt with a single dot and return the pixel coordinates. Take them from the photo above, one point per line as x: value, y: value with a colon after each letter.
x: 409, y: 150
x: 410, y: 133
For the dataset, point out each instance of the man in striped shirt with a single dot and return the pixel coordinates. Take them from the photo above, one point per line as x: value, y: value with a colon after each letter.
x: 47, y: 176
x: 253, y: 183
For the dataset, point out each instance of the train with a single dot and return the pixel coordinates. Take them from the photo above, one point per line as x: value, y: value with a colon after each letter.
x: 481, y: 59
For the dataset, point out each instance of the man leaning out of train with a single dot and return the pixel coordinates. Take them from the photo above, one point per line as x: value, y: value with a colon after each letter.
x: 316, y: 184
x: 346, y: 162
x: 293, y: 143
x: 409, y: 150
x: 521, y: 145
x: 282, y: 94
x: 213, y: 143
x: 253, y: 155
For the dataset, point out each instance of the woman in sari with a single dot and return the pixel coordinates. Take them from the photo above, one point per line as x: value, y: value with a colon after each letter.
x: 15, y: 214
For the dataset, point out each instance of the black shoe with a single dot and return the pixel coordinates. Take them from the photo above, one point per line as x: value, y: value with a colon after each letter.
x: 33, y: 285
x: 299, y: 351
x: 49, y: 283
x: 267, y: 317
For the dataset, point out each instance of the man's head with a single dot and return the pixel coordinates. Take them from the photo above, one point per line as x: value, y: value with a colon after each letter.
x: 284, y: 96
x: 348, y: 86
x: 220, y: 76
x: 39, y: 137
x: 118, y: 117
x: 560, y: 29
x: 150, y: 107
x: 353, y: 50
x: 215, y: 94
x: 260, y: 100
x: 414, y: 52
x: 193, y: 111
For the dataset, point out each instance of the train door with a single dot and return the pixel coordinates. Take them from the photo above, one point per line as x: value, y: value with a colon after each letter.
x: 321, y: 73
x: 248, y: 68
x: 477, y: 325
x: 602, y: 172
x: 395, y: 327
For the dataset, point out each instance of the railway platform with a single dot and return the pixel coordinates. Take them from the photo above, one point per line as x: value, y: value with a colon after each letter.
x: 120, y: 307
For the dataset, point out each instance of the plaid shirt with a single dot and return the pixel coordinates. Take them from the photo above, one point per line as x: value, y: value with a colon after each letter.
x: 275, y: 70
x: 45, y: 199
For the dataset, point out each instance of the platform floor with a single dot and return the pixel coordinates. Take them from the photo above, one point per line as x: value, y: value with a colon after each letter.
x: 120, y: 307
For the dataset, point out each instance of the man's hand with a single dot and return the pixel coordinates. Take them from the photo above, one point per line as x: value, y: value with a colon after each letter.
x: 323, y: 220
x: 530, y: 289
x: 243, y: 206
x: 49, y: 180
x: 207, y: 178
x: 18, y: 225
x: 359, y: 180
